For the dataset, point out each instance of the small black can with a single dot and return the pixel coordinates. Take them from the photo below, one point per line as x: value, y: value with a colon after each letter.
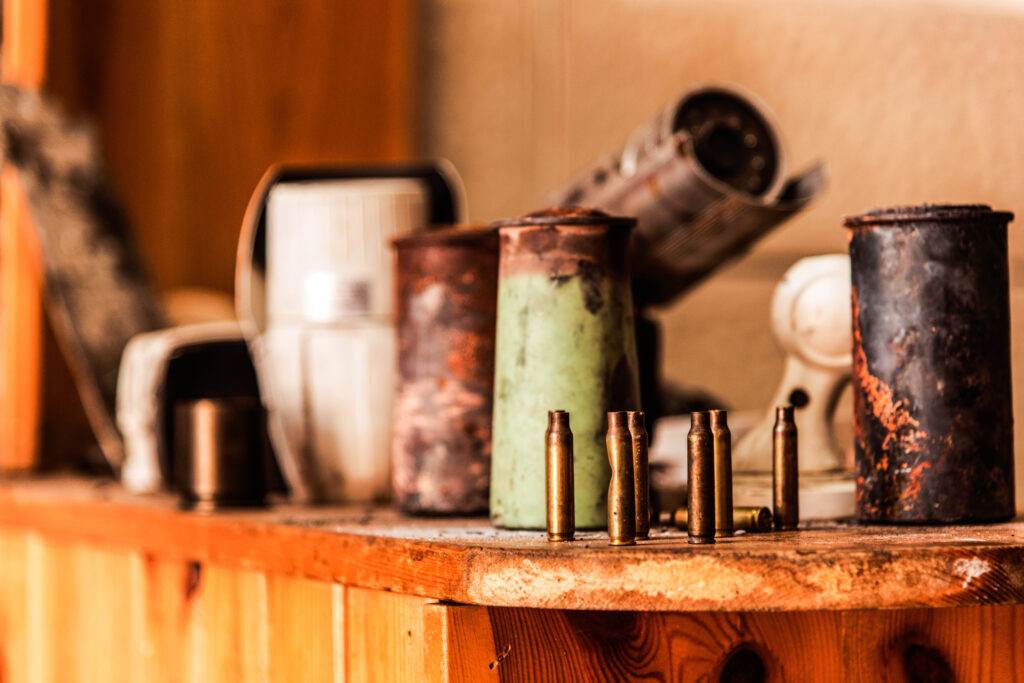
x: 933, y: 405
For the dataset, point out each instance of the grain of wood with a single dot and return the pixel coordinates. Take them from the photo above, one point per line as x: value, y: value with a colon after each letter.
x: 460, y: 644
x: 13, y: 606
x: 231, y: 629
x: 977, y: 644
x: 830, y: 567
x: 630, y: 646
x: 385, y: 636
x: 52, y: 611
x: 101, y: 635
x: 301, y: 618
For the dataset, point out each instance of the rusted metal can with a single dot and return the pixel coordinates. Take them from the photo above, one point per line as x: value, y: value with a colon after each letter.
x: 933, y: 408
x: 565, y: 337
x: 446, y: 292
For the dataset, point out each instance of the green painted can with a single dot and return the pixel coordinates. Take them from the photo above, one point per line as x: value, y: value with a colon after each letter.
x: 565, y: 341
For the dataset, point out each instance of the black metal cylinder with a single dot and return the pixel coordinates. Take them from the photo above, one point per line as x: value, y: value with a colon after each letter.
x: 933, y: 408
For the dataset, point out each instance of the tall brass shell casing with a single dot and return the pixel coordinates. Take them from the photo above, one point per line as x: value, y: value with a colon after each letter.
x: 785, y: 470
x: 566, y: 338
x: 621, y: 507
x: 723, y: 473
x: 559, y: 483
x: 700, y: 484
x: 641, y: 472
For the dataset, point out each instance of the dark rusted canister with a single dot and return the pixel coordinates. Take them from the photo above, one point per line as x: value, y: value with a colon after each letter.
x: 933, y: 415
x: 446, y: 284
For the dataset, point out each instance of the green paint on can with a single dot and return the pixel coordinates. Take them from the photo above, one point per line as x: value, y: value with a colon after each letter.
x: 565, y: 341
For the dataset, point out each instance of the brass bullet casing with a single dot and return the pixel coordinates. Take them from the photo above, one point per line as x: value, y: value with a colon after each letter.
x: 722, y: 438
x: 785, y: 470
x: 700, y: 484
x: 749, y: 519
x: 621, y: 506
x: 558, y: 454
x: 641, y: 472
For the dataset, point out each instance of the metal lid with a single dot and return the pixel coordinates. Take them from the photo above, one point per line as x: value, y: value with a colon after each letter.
x: 928, y: 213
x: 448, y: 235
x: 566, y: 215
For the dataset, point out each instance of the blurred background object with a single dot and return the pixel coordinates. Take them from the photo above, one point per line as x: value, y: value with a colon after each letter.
x: 907, y: 101
x: 193, y: 101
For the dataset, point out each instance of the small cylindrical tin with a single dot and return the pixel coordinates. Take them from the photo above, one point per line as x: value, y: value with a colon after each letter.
x: 723, y: 473
x: 565, y: 337
x: 558, y: 450
x: 220, y: 454
x: 933, y: 406
x: 641, y: 472
x: 446, y: 288
x: 785, y: 471
x: 700, y: 483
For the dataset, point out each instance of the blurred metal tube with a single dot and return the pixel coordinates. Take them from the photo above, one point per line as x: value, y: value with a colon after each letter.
x: 704, y: 180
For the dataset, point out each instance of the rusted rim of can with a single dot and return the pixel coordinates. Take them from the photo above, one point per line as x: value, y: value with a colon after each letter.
x: 566, y: 215
x: 927, y: 213
x: 448, y: 235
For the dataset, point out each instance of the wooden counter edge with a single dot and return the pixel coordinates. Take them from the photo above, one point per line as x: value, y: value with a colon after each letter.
x: 781, y: 578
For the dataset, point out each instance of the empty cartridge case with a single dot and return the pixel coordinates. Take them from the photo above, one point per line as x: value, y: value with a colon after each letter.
x: 641, y: 472
x: 723, y: 473
x: 565, y: 337
x: 621, y: 508
x: 932, y: 389
x: 751, y: 519
x: 446, y: 284
x: 700, y: 484
x: 785, y: 470
x: 558, y: 445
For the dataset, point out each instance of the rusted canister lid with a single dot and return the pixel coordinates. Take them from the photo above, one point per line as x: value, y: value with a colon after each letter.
x: 566, y: 215
x: 452, y: 235
x: 927, y: 213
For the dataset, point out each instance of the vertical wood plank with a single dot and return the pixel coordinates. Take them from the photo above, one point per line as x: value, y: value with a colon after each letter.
x: 13, y: 606
x: 301, y: 621
x: 163, y: 614
x: 24, y: 48
x: 459, y: 644
x: 965, y: 644
x: 102, y: 637
x: 51, y: 650
x: 385, y: 636
x: 230, y: 633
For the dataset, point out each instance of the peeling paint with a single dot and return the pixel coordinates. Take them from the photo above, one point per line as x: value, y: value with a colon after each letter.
x: 971, y: 569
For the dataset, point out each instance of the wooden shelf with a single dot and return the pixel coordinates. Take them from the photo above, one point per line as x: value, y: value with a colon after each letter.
x: 826, y: 567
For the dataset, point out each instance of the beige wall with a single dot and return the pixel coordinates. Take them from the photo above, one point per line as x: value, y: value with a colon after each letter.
x: 907, y: 101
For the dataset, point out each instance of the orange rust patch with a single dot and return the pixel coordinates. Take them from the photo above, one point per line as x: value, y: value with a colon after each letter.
x: 914, y: 485
x: 898, y: 422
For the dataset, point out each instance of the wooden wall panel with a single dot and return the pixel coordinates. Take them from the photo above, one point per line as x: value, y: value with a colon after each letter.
x: 13, y: 606
x: 385, y: 640
x: 195, y: 98
x: 306, y: 629
x: 973, y: 644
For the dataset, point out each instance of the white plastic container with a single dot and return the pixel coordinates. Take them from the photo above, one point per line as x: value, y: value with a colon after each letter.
x: 314, y: 296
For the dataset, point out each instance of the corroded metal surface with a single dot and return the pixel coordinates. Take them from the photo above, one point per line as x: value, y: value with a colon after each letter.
x: 641, y: 472
x: 931, y: 364
x: 446, y: 289
x: 565, y: 338
x: 558, y: 454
